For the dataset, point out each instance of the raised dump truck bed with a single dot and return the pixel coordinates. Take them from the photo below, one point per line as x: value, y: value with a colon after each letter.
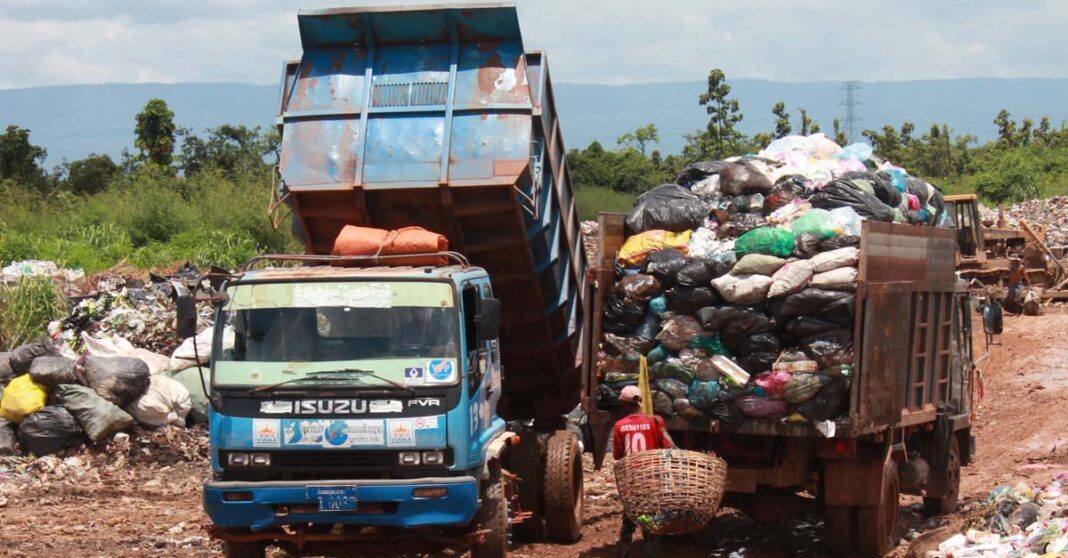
x: 438, y: 118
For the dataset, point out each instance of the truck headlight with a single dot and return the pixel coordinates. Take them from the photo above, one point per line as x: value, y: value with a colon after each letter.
x: 409, y: 458
x: 237, y: 460
x: 260, y: 459
x: 433, y: 458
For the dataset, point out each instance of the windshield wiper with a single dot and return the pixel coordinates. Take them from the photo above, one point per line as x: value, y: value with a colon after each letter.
x: 320, y: 374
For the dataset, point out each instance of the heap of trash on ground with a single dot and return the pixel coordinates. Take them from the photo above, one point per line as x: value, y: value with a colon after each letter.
x: 1017, y: 521
x: 112, y: 363
x: 736, y: 285
x: 1049, y: 214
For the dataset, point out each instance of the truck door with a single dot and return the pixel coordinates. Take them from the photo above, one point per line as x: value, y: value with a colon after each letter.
x: 482, y: 360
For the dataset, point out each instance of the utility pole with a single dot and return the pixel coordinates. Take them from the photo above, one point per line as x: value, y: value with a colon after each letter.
x: 852, y: 121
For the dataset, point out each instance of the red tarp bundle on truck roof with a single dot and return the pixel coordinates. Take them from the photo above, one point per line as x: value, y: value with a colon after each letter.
x: 369, y: 241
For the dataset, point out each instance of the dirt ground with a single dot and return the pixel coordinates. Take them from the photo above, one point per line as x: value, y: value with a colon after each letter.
x: 142, y: 497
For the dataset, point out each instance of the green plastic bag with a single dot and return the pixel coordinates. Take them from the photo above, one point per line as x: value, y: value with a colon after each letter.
x: 817, y: 221
x: 189, y: 379
x: 710, y: 345
x: 97, y: 416
x: 765, y: 240
x: 671, y: 368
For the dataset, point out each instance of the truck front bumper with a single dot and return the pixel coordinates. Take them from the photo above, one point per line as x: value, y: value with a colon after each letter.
x: 387, y: 503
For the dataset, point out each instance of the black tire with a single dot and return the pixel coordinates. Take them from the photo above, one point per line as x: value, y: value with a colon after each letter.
x: 877, y: 526
x: 947, y: 502
x: 493, y: 516
x: 244, y: 549
x: 563, y: 487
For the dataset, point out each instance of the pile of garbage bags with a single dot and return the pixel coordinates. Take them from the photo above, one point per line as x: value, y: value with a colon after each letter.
x: 736, y: 286
x: 1018, y: 521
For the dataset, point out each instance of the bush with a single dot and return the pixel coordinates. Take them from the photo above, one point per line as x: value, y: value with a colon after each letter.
x: 26, y: 308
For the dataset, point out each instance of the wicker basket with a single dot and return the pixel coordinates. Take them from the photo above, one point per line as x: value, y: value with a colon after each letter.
x: 671, y: 491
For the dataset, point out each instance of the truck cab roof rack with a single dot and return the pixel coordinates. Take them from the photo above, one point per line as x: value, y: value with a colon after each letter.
x: 456, y: 257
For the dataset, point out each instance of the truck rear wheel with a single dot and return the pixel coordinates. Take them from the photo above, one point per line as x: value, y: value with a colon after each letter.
x: 947, y: 502
x: 563, y: 487
x: 244, y: 549
x: 877, y: 526
x: 493, y: 517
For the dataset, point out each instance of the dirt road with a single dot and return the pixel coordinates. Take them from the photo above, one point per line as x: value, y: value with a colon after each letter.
x: 143, y: 499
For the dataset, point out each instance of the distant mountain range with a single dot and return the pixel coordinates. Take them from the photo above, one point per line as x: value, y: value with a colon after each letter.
x: 75, y: 120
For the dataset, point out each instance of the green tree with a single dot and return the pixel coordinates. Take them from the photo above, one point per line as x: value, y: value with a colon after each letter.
x: 155, y: 133
x: 807, y: 125
x: 1043, y: 135
x: 640, y: 138
x: 229, y: 148
x: 1024, y: 134
x: 1007, y: 136
x: 838, y: 133
x: 720, y: 138
x: 90, y: 175
x: 782, y: 120
x: 21, y: 160
x: 1008, y: 176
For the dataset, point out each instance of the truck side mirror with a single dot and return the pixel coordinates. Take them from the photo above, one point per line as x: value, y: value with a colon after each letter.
x: 489, y: 319
x: 186, y: 320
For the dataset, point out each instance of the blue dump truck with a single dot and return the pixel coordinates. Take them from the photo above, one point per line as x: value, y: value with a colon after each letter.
x: 360, y: 401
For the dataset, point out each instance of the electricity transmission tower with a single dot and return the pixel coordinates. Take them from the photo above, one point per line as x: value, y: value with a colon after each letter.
x: 852, y: 121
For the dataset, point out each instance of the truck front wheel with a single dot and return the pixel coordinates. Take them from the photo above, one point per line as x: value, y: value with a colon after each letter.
x: 563, y: 487
x: 949, y: 484
x: 493, y: 517
x: 244, y: 549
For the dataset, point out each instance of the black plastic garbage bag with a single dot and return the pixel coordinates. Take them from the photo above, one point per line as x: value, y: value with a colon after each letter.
x: 993, y: 319
x: 880, y: 184
x: 96, y: 415
x: 650, y: 326
x: 6, y: 373
x: 830, y: 349
x: 829, y: 403
x: 684, y: 300
x: 842, y: 193
x: 740, y: 178
x: 757, y: 363
x: 786, y: 190
x: 808, y: 326
x: 8, y: 445
x: 806, y: 245
x: 23, y: 355
x: 622, y: 316
x: 740, y: 223
x: 120, y: 380
x: 744, y: 324
x: 836, y: 242
x: 808, y: 302
x: 668, y: 207
x: 760, y: 343
x: 639, y: 287
x: 49, y: 430
x: 662, y: 404
x: 52, y: 371
x: 674, y: 388
x: 699, y: 272
x: 696, y: 172
x: 607, y: 398
x: 629, y: 347
x: 664, y: 265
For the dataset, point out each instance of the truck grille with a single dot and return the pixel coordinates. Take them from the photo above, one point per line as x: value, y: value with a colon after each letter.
x: 330, y: 464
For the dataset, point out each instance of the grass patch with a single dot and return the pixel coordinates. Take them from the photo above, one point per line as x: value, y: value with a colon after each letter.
x: 592, y: 200
x: 26, y: 308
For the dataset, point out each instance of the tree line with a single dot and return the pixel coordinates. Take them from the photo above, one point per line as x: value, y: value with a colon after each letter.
x: 1024, y: 161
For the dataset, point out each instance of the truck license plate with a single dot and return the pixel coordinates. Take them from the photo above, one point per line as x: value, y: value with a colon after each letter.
x: 334, y: 498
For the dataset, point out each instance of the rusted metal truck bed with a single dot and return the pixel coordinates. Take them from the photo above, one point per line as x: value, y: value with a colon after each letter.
x: 439, y: 118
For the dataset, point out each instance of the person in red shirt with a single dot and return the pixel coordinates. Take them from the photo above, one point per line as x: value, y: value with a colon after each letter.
x: 635, y: 433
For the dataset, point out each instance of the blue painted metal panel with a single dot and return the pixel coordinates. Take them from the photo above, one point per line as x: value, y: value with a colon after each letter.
x: 492, y: 73
x: 328, y: 79
x: 403, y: 148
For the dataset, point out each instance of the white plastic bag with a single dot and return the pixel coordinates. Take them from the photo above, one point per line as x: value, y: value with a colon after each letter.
x: 184, y: 356
x: 848, y: 221
x: 166, y: 402
x: 119, y: 346
x: 840, y: 279
x: 743, y: 289
x: 834, y: 259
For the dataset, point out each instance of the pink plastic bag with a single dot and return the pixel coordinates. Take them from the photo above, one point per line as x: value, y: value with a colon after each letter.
x: 761, y: 407
x: 914, y: 202
x: 773, y: 382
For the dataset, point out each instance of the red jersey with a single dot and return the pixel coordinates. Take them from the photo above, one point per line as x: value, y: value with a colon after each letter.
x: 636, y: 433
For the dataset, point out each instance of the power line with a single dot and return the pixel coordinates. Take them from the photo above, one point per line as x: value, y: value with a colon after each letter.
x: 852, y: 121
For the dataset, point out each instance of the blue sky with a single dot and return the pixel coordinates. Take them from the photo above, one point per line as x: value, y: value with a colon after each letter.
x: 589, y: 41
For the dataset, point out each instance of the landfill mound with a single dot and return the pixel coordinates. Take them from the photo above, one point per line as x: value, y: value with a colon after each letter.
x: 1018, y: 521
x: 110, y: 366
x: 736, y: 285
x: 1051, y: 214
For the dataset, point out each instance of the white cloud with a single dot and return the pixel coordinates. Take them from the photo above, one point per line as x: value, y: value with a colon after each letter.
x: 593, y: 41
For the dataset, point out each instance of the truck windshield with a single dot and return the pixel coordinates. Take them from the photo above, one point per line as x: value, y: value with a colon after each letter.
x: 404, y: 332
